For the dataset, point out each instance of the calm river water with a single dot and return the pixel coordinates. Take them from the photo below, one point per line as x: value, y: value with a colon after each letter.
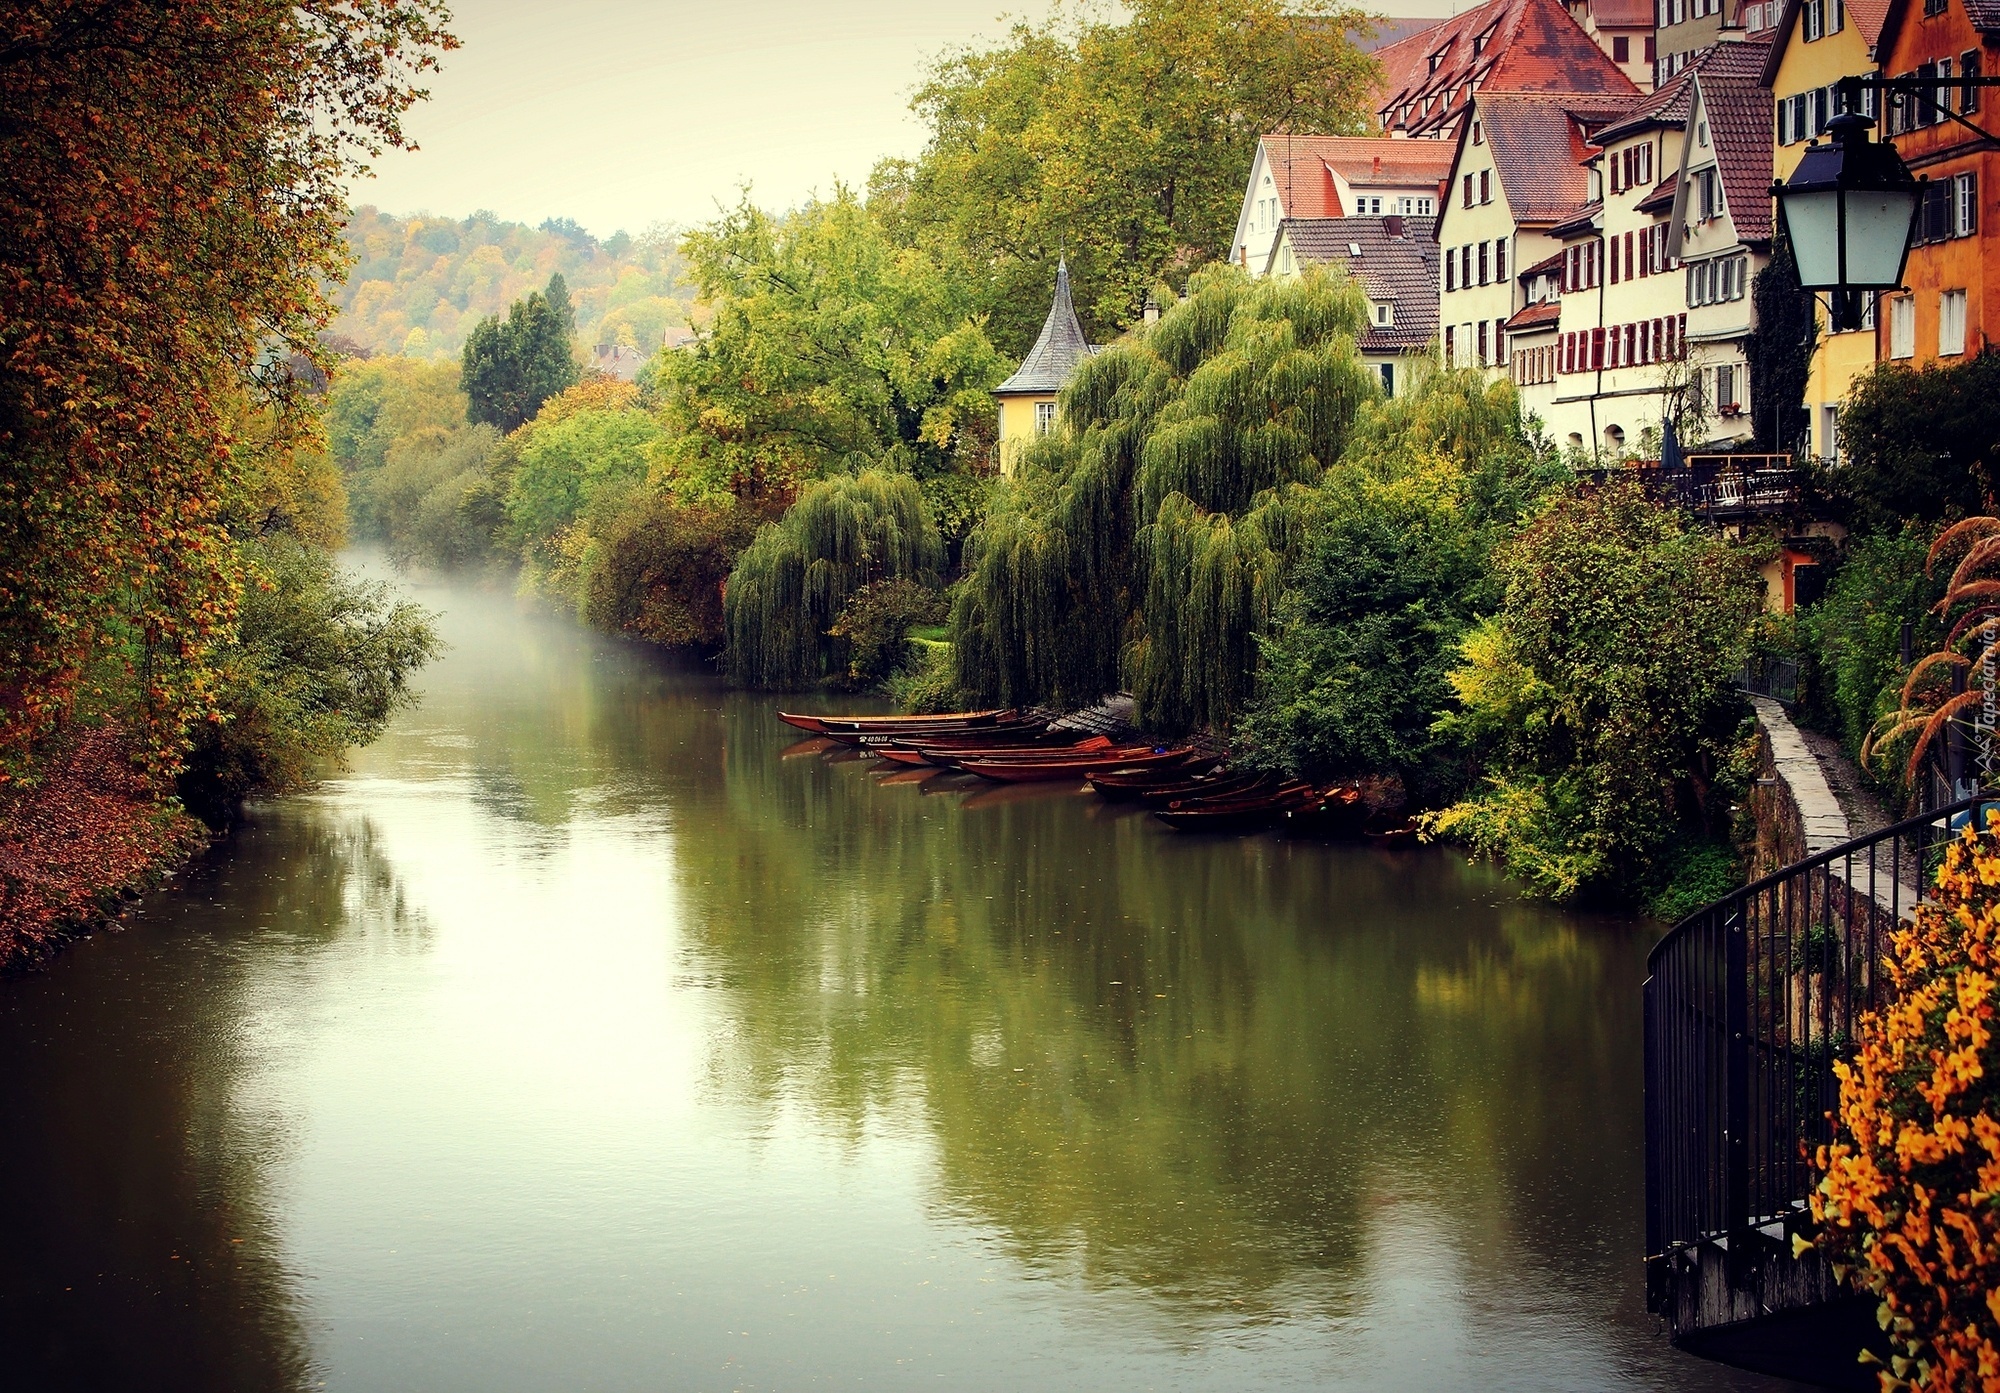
x: 582, y: 1038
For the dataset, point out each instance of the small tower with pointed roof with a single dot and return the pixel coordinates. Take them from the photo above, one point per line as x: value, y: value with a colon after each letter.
x: 1028, y: 398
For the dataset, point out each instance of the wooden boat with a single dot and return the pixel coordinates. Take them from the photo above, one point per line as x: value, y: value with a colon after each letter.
x: 1075, y: 767
x: 1228, y: 786
x: 1112, y: 782
x: 1234, y: 814
x: 838, y: 725
x: 1091, y: 746
x: 1335, y: 811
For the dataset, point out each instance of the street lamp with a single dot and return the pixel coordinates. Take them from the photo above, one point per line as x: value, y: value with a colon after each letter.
x: 1849, y: 211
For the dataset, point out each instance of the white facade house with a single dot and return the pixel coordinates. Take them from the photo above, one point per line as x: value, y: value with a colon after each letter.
x: 1312, y: 177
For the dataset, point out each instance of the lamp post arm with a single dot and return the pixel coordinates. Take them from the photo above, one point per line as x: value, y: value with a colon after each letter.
x: 1925, y: 88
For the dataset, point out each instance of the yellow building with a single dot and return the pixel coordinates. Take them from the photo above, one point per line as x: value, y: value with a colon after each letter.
x: 1028, y: 398
x: 1819, y: 42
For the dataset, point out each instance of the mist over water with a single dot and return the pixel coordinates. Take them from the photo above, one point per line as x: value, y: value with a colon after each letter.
x: 582, y: 1037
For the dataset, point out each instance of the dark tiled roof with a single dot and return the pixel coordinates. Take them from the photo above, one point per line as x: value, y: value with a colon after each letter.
x: 1665, y: 106
x: 1057, y: 352
x: 1543, y: 315
x: 1394, y: 31
x: 1581, y: 220
x: 1531, y: 46
x: 1401, y: 270
x: 1538, y: 147
x: 1661, y: 199
x: 1551, y: 262
x: 1739, y: 112
x: 1300, y: 166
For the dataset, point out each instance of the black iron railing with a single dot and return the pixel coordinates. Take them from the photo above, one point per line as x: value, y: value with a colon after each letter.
x: 1777, y: 678
x: 1719, y: 486
x: 1748, y: 1003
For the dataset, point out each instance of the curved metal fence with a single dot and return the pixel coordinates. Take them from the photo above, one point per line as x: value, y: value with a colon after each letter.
x: 1748, y: 1003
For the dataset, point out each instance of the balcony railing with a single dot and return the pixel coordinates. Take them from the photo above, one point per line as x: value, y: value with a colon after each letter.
x: 1718, y: 487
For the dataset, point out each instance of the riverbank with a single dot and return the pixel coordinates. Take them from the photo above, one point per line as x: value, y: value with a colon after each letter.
x: 89, y: 836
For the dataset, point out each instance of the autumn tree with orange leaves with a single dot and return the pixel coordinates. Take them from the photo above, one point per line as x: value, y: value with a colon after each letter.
x: 171, y: 176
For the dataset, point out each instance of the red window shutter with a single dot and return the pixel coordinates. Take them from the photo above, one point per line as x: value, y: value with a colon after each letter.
x: 1596, y: 349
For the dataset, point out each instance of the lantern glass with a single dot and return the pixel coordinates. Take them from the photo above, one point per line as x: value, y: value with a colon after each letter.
x: 1812, y: 222
x: 1878, y: 236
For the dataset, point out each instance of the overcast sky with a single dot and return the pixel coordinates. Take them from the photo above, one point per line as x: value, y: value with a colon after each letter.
x: 621, y: 113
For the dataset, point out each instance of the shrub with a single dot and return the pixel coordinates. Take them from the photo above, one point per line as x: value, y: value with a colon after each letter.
x: 319, y: 663
x: 928, y: 685
x: 657, y: 569
x: 1602, y: 695
x: 876, y: 622
x: 1856, y: 629
x: 1910, y: 1185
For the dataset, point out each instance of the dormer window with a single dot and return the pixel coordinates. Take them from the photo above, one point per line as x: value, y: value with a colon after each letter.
x: 1437, y: 58
x: 1383, y: 315
x: 1478, y: 136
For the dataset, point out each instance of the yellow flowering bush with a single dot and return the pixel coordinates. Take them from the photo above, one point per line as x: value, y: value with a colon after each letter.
x: 1910, y: 1191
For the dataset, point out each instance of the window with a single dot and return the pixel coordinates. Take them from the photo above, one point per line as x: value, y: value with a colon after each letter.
x: 1965, y: 205
x: 1934, y: 7
x: 1388, y: 371
x: 1449, y: 346
x: 1815, y: 19
x: 1485, y: 186
x: 1725, y: 390
x: 1652, y: 50
x: 1478, y: 136
x: 1614, y: 258
x: 1935, y: 213
x: 1621, y: 49
x: 1829, y: 434
x: 1951, y: 323
x: 1468, y: 190
x: 1482, y: 343
x: 1381, y: 314
x: 1045, y: 417
x: 1968, y: 95
x: 1500, y: 257
x: 1482, y: 263
x: 1902, y: 326
x: 1450, y: 269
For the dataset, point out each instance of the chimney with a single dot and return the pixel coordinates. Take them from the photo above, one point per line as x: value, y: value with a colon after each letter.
x: 1393, y: 225
x: 1378, y: 166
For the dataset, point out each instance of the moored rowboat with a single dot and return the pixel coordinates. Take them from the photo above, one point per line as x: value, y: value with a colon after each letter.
x: 1075, y: 767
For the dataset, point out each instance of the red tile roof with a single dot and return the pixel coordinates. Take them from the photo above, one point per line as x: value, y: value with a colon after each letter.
x: 1624, y: 14
x: 1300, y: 167
x: 1661, y: 199
x: 1548, y: 263
x: 1536, y: 316
x: 1539, y: 144
x: 1739, y: 111
x: 1664, y: 106
x: 1502, y: 45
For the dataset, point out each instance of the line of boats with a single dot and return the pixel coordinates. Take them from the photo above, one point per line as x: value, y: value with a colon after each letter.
x: 1186, y: 786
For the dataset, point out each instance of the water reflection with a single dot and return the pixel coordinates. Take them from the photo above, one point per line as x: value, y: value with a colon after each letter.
x: 592, y: 1032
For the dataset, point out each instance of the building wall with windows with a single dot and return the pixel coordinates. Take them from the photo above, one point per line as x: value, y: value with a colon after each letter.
x: 1479, y: 246
x: 1951, y: 306
x: 1815, y: 44
x: 1314, y: 176
x: 1683, y: 31
x: 1722, y: 231
x: 1619, y: 346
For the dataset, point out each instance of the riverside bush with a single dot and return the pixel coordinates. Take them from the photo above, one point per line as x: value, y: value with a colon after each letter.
x: 1601, y: 696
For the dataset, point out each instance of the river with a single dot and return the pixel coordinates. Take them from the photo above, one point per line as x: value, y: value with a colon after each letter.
x: 580, y: 1037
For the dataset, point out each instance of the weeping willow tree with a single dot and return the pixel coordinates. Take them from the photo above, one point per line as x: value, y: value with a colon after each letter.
x: 1146, y: 540
x: 789, y: 587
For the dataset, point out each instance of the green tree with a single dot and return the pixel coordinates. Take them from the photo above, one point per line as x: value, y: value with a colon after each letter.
x: 1149, y: 536
x: 566, y: 462
x: 510, y: 367
x: 829, y: 350
x: 794, y: 582
x: 1122, y: 144
x: 1394, y: 568
x: 1601, y: 697
x: 1922, y: 443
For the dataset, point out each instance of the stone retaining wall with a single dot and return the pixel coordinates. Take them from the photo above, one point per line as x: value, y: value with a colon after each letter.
x: 1796, y: 813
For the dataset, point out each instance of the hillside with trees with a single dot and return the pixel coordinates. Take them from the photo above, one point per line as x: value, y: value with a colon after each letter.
x: 419, y: 284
